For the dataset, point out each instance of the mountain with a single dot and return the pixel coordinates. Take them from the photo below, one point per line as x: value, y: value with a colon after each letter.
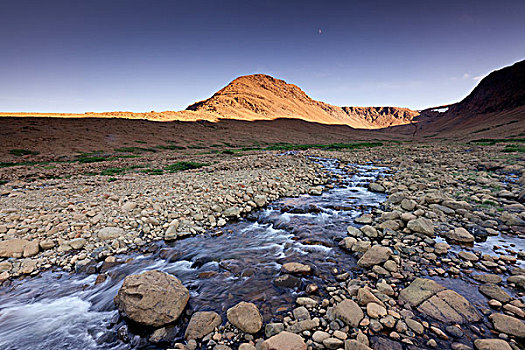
x: 495, y: 108
x: 262, y: 97
x: 501, y: 90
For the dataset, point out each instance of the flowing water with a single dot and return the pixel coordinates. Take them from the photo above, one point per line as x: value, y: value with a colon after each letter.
x: 57, y: 310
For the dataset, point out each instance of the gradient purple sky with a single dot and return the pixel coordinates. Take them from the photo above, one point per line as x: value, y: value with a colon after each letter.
x: 142, y: 55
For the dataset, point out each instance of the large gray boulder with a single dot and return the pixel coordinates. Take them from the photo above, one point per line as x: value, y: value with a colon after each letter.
x: 201, y: 324
x: 374, y: 256
x: 421, y: 225
x: 436, y: 301
x: 17, y: 248
x: 152, y: 298
x: 349, y: 312
x: 246, y: 317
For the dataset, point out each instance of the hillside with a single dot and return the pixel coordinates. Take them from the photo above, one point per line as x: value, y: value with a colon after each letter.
x: 501, y: 90
x: 262, y: 97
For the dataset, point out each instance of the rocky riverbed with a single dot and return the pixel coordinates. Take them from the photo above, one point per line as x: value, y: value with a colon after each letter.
x: 439, y: 264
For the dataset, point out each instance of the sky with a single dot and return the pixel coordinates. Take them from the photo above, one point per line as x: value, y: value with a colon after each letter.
x: 142, y: 55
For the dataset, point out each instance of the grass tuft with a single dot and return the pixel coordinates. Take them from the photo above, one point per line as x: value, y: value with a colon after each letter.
x: 23, y: 152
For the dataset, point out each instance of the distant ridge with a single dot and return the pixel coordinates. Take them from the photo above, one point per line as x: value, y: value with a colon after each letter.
x: 262, y: 97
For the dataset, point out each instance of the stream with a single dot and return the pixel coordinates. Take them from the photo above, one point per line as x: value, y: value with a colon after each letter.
x: 59, y: 310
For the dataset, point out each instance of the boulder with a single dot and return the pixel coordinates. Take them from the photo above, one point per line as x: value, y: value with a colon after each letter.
x: 284, y: 341
x: 460, y: 235
x: 353, y: 344
x: 246, y: 317
x: 296, y: 268
x: 152, y: 298
x: 440, y: 303
x: 508, y: 325
x: 421, y: 225
x: 349, y: 312
x: 375, y: 187
x: 374, y: 256
x: 450, y: 307
x: 17, y: 248
x: 420, y: 290
x: 232, y: 212
x: 108, y: 233
x: 491, y: 344
x: 201, y: 324
x: 492, y: 291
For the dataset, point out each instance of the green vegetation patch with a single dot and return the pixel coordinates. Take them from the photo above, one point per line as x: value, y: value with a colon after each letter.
x: 490, y: 142
x: 181, y: 166
x: 514, y: 148
x: 135, y: 150
x: 171, y: 147
x: 152, y: 171
x: 23, y: 152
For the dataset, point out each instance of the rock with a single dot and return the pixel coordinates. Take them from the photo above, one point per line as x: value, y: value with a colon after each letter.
x: 332, y: 343
x: 491, y: 344
x: 304, y: 325
x: 27, y: 266
x: 17, y: 248
x: 421, y: 225
x: 369, y: 231
x: 305, y: 301
x: 450, y: 307
x: 508, y: 324
x: 296, y: 268
x: 420, y: 290
x: 460, y: 235
x: 287, y: 281
x: 77, y: 243
x: 375, y: 187
x: 260, y: 200
x: 353, y: 231
x: 152, y: 298
x: 353, y: 344
x: 5, y: 266
x: 361, y: 246
x: 349, y: 312
x: 363, y: 219
x: 129, y: 206
x: 518, y: 280
x: 487, y: 278
x: 246, y: 346
x: 47, y: 244
x: 468, y: 256
x: 374, y: 310
x: 319, y: 336
x: 348, y: 242
x: 284, y: 341
x: 408, y: 204
x: 365, y: 296
x: 301, y: 313
x: 246, y: 317
x: 232, y: 212
x: 108, y: 233
x: 375, y: 255
x: 494, y: 292
x: 441, y: 248
x: 273, y: 329
x: 201, y: 324
x: 439, y: 303
x: 415, y: 326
